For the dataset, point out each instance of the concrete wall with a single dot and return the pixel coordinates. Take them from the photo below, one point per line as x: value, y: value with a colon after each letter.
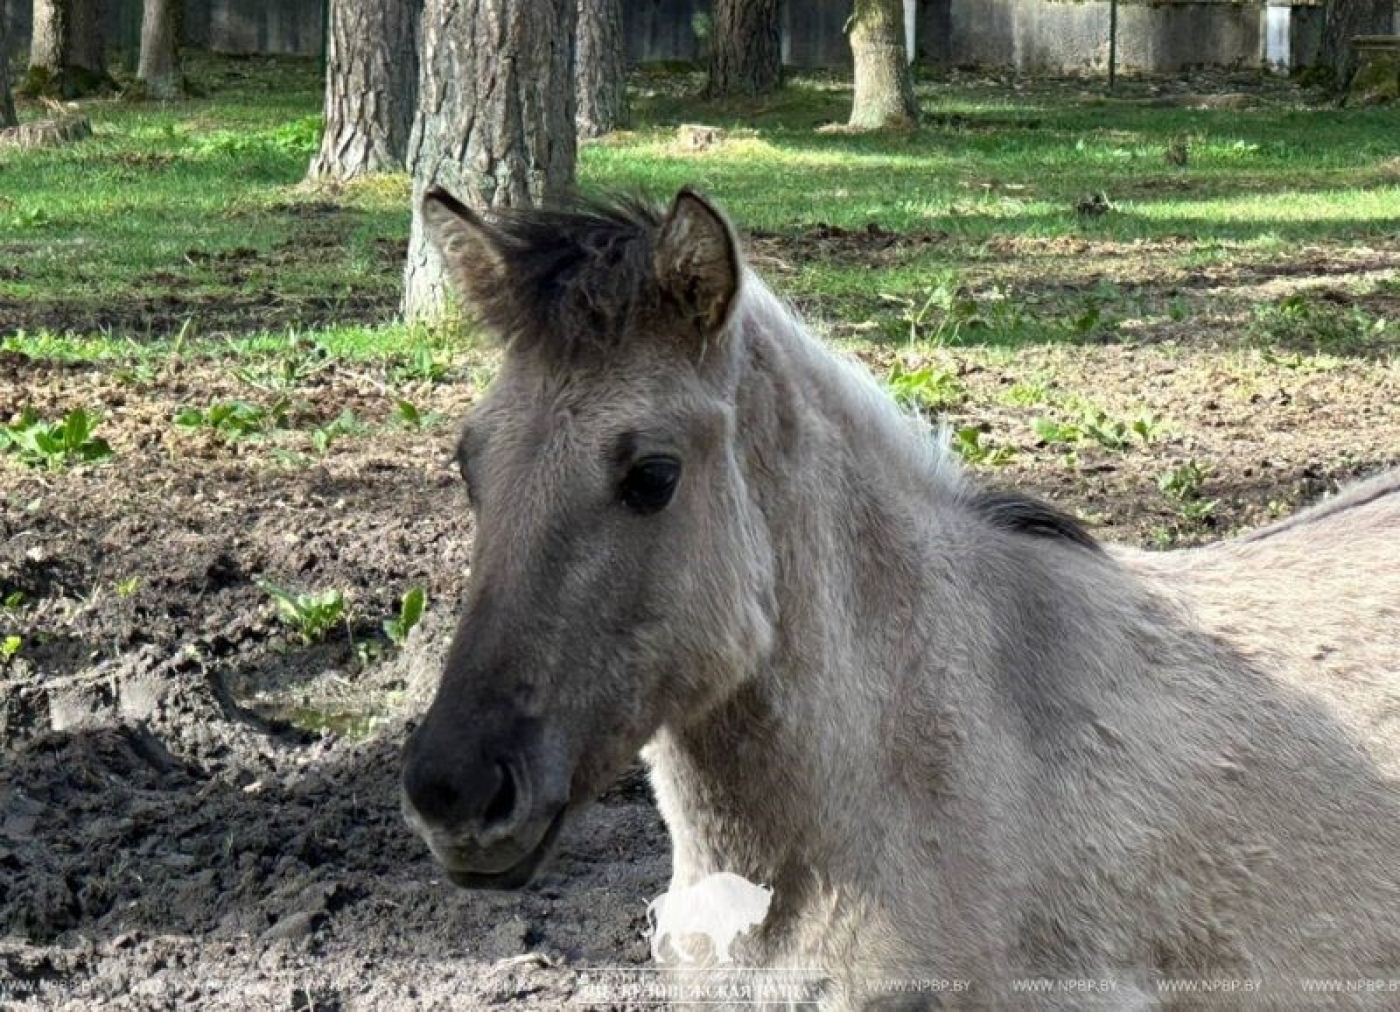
x: 1031, y: 36
x: 659, y: 30
x: 18, y: 15
x: 225, y: 26
x: 265, y: 26
x: 814, y: 33
x: 1071, y: 36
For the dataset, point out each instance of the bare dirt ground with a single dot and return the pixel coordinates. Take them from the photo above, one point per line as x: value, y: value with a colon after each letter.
x: 168, y: 838
x: 197, y: 811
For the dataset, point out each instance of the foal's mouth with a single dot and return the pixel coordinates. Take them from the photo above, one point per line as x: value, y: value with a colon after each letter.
x: 515, y: 876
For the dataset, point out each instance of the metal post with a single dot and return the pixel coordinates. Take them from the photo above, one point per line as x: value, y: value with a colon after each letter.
x: 1112, y: 44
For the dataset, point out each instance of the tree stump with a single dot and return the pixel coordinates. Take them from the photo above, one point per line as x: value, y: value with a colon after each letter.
x: 693, y: 138
x: 46, y: 133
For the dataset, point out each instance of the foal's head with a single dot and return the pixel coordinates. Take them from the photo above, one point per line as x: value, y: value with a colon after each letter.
x: 620, y: 578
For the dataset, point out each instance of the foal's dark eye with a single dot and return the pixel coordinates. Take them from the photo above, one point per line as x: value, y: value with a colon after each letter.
x: 650, y: 483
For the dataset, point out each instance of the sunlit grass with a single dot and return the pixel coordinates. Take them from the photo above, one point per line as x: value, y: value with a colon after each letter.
x: 202, y: 201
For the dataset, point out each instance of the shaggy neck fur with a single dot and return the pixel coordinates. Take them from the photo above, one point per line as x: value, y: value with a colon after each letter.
x: 881, y: 558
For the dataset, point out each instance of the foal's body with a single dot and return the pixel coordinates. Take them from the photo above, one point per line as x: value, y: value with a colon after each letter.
x: 957, y: 739
x: 986, y: 755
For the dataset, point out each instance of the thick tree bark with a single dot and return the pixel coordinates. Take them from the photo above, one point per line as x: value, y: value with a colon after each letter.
x: 371, y: 85
x: 495, y: 119
x: 1343, y: 20
x: 159, y: 68
x: 601, y: 68
x: 884, y: 88
x: 746, y: 48
x: 7, y: 102
x: 67, y: 52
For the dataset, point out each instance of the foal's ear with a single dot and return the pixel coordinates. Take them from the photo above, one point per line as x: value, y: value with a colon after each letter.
x: 697, y: 260
x: 469, y: 248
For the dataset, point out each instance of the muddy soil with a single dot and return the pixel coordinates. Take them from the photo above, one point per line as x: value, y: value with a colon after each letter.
x: 198, y: 811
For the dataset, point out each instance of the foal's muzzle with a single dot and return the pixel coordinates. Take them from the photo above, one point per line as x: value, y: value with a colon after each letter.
x: 490, y: 812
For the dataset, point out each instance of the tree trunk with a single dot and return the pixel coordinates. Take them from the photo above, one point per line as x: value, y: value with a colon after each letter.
x: 495, y: 119
x: 884, y: 87
x: 601, y: 66
x: 67, y: 52
x: 371, y: 84
x: 7, y: 102
x: 159, y: 68
x: 89, y: 36
x: 746, y: 48
x: 1343, y: 20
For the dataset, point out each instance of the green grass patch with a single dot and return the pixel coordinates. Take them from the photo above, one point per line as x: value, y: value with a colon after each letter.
x: 187, y: 223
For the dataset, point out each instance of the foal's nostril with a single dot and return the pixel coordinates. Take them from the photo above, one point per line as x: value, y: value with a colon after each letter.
x: 501, y: 807
x: 434, y: 798
x: 481, y: 799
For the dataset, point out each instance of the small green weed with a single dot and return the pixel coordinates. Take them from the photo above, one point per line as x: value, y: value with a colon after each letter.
x: 941, y: 316
x: 423, y: 366
x: 1184, y: 486
x: 54, y: 444
x: 344, y: 424
x: 1110, y: 433
x: 925, y: 387
x: 9, y: 649
x: 1098, y: 426
x: 1026, y: 393
x: 1147, y: 428
x: 1057, y: 433
x: 311, y: 616
x: 1163, y: 537
x: 284, y: 372
x: 138, y: 374
x: 410, y: 416
x: 236, y: 419
x: 967, y: 441
x: 410, y: 612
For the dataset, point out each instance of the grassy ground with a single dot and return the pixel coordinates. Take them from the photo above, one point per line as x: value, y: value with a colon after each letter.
x: 1066, y: 277
x: 189, y: 215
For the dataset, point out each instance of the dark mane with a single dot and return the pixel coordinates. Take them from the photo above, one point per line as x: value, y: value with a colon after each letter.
x: 1025, y: 514
x: 580, y: 275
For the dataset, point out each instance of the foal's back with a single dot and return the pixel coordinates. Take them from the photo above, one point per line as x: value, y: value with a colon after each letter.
x: 1313, y: 599
x: 1253, y: 796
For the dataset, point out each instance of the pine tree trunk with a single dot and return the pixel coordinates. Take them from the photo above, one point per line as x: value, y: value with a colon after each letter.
x: 371, y: 83
x: 67, y: 52
x: 746, y: 48
x: 89, y: 42
x: 495, y: 119
x: 48, y: 43
x: 159, y: 68
x: 1343, y: 20
x: 7, y: 102
x: 601, y: 67
x: 884, y: 88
